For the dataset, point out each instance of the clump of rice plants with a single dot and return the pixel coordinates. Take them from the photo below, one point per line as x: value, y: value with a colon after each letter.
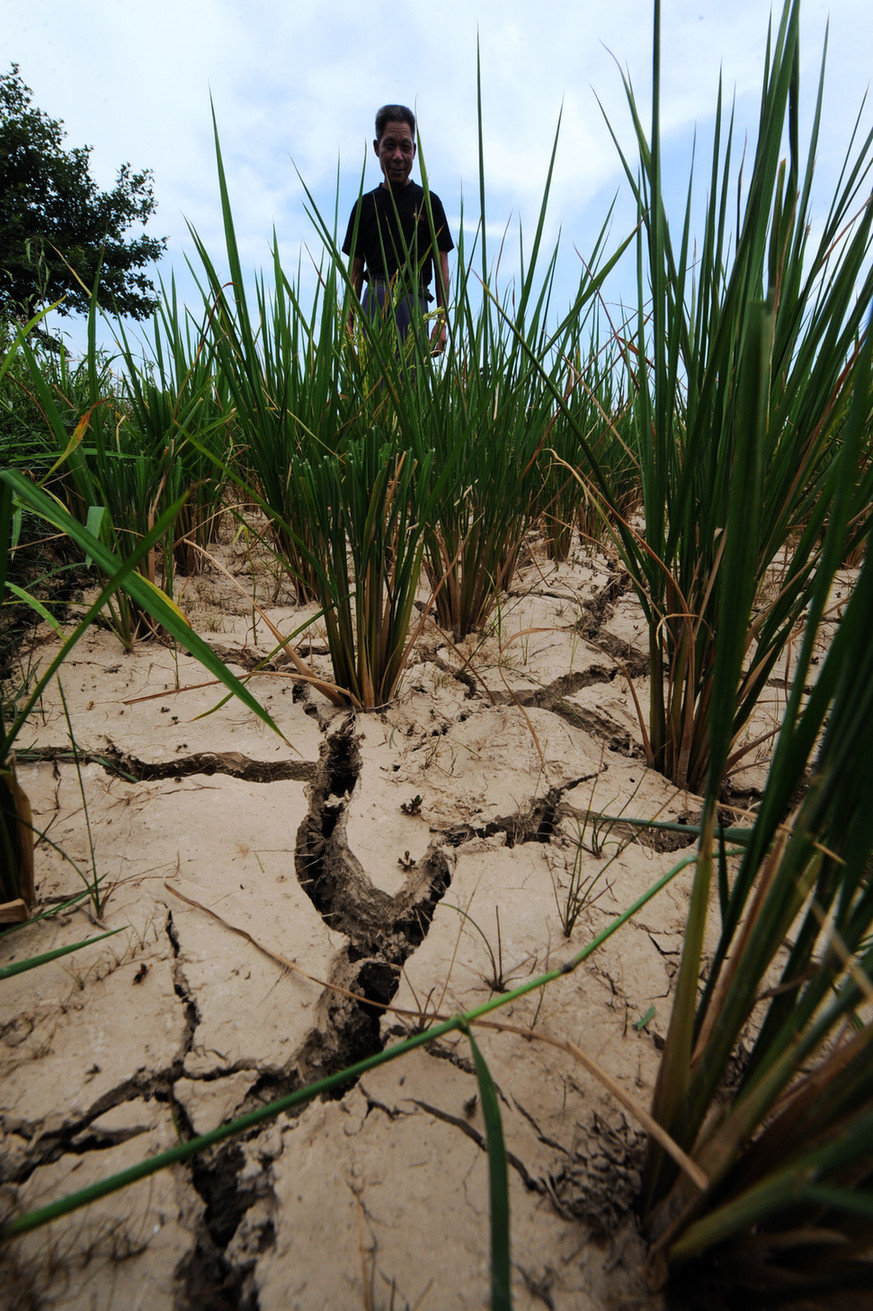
x: 322, y: 455
x: 596, y: 406
x: 783, y: 1215
x: 493, y: 414
x: 787, y: 1211
x: 177, y: 409
x: 110, y: 477
x: 685, y: 366
x: 19, y: 493
x: 366, y: 510
x: 279, y: 365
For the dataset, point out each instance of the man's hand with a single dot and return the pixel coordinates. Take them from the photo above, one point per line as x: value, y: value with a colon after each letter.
x: 356, y: 274
x: 438, y: 336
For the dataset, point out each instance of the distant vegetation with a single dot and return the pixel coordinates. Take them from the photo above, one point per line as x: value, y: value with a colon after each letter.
x: 61, y: 236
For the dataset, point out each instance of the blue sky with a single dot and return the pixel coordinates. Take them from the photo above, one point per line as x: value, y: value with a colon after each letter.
x: 297, y: 83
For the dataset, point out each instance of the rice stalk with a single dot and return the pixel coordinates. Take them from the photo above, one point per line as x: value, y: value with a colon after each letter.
x: 684, y: 368
x: 176, y: 408
x: 788, y: 1156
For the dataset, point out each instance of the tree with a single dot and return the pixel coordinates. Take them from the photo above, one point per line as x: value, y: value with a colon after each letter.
x: 56, y: 226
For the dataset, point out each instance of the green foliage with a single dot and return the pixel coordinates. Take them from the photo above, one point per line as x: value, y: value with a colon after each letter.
x: 25, y: 437
x: 34, y: 962
x: 787, y: 1208
x: 57, y: 227
x: 17, y: 494
x: 177, y: 423
x: 498, y: 1185
x: 599, y: 410
x: 702, y: 338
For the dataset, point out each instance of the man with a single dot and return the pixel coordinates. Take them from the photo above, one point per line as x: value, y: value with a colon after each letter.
x: 389, y: 236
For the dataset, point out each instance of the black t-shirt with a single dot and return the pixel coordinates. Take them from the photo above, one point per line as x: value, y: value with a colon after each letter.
x: 394, y: 232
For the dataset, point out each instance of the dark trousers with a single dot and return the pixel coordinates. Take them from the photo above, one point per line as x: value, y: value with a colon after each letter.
x: 410, y: 308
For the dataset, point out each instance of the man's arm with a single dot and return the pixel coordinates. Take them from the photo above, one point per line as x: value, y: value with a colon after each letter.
x: 438, y: 336
x: 356, y: 274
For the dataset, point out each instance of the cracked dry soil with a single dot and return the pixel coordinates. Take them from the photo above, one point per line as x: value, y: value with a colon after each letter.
x: 418, y: 857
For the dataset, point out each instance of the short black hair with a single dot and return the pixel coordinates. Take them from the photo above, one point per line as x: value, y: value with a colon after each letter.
x: 394, y: 114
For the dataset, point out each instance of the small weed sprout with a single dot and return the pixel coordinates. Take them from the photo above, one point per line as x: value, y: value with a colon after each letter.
x: 580, y: 892
x: 594, y: 833
x: 500, y: 977
x: 599, y: 825
x: 93, y: 884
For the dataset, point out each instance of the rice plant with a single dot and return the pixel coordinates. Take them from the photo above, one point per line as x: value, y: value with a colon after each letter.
x: 111, y: 478
x: 685, y: 367
x: 178, y: 410
x: 19, y: 492
x: 595, y: 405
x: 278, y: 363
x: 492, y: 413
x: 24, y: 440
x: 321, y: 458
x: 365, y: 512
x: 786, y: 1211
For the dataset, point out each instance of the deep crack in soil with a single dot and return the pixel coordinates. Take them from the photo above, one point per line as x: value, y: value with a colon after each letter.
x: 382, y: 931
x: 207, y: 1278
x: 380, y: 927
x: 125, y: 766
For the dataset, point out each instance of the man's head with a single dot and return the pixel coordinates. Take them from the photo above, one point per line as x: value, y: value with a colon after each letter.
x: 395, y: 144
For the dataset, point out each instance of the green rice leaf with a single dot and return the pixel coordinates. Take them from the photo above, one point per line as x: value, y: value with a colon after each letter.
x: 501, y: 1273
x: 121, y: 575
x: 34, y: 962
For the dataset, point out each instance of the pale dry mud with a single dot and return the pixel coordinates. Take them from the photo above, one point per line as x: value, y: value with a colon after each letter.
x: 420, y: 857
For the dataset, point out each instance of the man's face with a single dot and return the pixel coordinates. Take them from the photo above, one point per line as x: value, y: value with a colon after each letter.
x: 395, y: 151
